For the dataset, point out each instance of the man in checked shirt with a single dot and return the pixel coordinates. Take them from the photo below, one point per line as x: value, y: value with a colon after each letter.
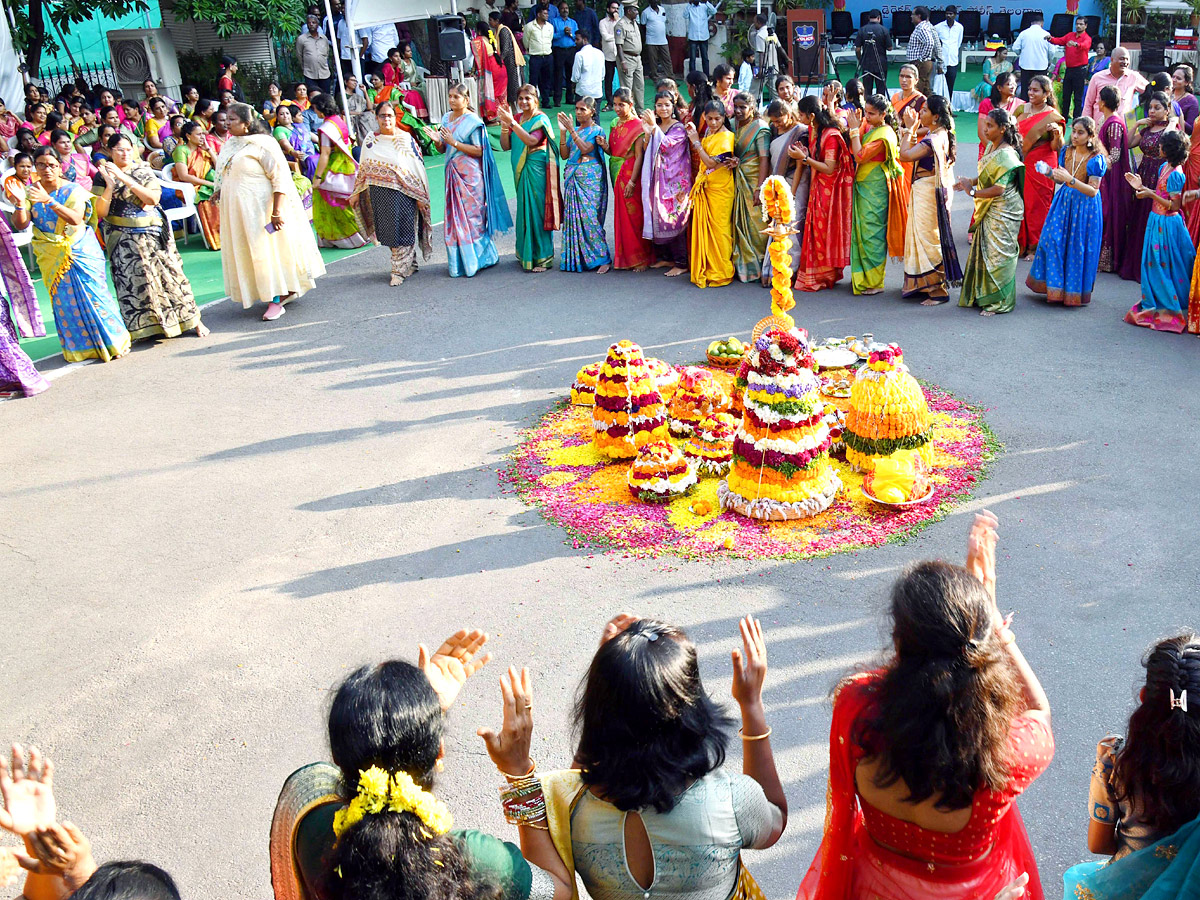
x: 921, y: 48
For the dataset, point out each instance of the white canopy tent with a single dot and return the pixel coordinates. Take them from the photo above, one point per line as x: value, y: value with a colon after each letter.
x: 365, y: 13
x: 12, y: 85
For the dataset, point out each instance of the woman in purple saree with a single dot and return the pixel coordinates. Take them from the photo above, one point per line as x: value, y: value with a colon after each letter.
x: 17, y: 372
x: 667, y: 185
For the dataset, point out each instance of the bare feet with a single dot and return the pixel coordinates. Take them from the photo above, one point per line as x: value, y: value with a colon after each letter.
x: 929, y: 301
x: 202, y: 330
x: 986, y: 312
x: 640, y: 268
x: 661, y: 264
x: 537, y: 270
x: 675, y: 272
x: 1028, y: 257
x: 274, y: 311
x: 873, y: 291
x: 396, y: 281
x: 604, y: 268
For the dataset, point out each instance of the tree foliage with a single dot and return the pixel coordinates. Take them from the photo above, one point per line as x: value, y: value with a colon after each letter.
x: 282, y: 18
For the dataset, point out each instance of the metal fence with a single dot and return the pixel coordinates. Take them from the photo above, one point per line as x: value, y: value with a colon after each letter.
x: 53, y: 78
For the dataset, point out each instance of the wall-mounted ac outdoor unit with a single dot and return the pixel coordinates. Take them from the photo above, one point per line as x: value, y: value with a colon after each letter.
x: 141, y: 53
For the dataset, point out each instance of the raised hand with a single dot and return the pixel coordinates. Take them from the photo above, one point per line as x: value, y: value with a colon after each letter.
x: 750, y: 664
x: 621, y: 620
x: 60, y: 850
x: 909, y: 117
x: 1014, y: 889
x: 509, y: 749
x: 853, y: 120
x: 1135, y: 180
x: 981, y: 552
x: 37, y: 193
x: 454, y: 662
x: 27, y: 792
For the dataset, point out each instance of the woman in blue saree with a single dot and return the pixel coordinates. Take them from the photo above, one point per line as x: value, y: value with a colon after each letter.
x: 86, y: 315
x: 535, y: 172
x: 1144, y: 798
x: 476, y: 208
x: 585, y: 192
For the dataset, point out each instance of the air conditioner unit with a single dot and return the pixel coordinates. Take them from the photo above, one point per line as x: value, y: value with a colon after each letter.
x: 141, y: 53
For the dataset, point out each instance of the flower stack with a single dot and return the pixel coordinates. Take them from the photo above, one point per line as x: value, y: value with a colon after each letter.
x: 780, y: 467
x: 711, y: 443
x: 583, y: 391
x: 887, y: 412
x: 698, y: 396
x: 661, y: 472
x: 778, y: 208
x: 628, y: 411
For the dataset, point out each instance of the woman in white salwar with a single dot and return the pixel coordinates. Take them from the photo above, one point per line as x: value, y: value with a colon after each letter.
x: 268, y: 251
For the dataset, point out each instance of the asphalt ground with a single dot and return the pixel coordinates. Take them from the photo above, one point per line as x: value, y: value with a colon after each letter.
x: 198, y: 542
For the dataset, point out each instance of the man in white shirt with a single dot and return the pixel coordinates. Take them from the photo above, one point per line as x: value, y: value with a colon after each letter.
x: 1033, y: 46
x: 658, y: 57
x: 698, y: 12
x: 380, y: 39
x: 608, y: 44
x: 951, y: 33
x: 588, y: 71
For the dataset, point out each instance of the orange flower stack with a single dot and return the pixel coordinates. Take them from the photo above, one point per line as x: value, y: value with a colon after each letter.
x: 661, y: 472
x: 583, y: 391
x: 711, y: 443
x: 887, y: 412
x: 698, y: 396
x: 628, y: 411
x: 780, y: 466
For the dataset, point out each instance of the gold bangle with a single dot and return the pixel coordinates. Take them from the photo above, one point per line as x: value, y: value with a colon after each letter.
x: 754, y: 737
x: 529, y: 774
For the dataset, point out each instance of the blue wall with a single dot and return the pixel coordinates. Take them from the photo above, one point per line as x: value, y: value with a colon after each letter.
x: 1086, y: 8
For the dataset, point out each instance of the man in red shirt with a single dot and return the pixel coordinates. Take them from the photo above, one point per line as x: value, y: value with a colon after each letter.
x: 1078, y: 44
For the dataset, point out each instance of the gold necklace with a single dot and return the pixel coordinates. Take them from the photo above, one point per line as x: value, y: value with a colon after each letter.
x: 1075, y: 163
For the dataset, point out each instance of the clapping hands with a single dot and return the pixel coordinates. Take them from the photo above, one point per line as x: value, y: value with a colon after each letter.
x: 61, y: 851
x: 981, y: 552
x: 1135, y: 180
x: 853, y: 119
x: 908, y: 117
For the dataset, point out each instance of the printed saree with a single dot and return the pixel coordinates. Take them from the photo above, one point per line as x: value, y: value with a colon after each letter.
x: 930, y: 257
x: 880, y: 209
x: 990, y: 277
x: 631, y: 250
x: 585, y: 205
x: 1168, y: 869
x: 753, y: 149
x: 666, y: 184
x: 333, y: 219
x: 476, y: 208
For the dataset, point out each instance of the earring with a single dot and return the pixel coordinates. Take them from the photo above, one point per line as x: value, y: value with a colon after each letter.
x: 438, y: 766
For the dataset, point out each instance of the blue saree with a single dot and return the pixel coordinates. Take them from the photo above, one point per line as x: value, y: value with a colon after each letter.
x: 1166, y: 870
x: 585, y: 204
x: 476, y: 208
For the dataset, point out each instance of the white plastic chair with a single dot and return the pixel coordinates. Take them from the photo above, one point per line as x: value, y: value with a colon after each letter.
x: 188, y: 210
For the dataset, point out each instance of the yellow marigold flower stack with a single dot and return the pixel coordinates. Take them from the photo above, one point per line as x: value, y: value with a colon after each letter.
x: 629, y: 411
x: 778, y: 207
x: 887, y: 412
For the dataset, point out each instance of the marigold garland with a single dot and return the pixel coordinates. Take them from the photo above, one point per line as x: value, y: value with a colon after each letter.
x: 378, y: 791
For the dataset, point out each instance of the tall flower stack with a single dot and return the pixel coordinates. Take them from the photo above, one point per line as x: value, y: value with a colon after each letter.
x: 778, y: 208
x: 887, y: 412
x: 780, y: 467
x: 583, y: 390
x: 699, y: 394
x: 628, y: 411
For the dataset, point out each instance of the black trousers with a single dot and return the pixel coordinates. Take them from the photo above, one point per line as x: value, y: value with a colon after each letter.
x: 1075, y: 80
x: 564, y: 87
x: 951, y: 74
x: 1027, y: 75
x: 610, y: 72
x: 874, y: 84
x: 320, y: 85
x: 698, y: 48
x: 541, y: 76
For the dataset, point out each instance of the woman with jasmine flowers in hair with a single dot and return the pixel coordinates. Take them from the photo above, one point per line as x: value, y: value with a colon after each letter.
x: 1144, y: 799
x: 648, y: 793
x: 368, y: 827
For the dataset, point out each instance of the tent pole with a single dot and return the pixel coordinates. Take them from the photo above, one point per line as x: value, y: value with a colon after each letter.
x: 337, y: 63
x: 1118, y: 23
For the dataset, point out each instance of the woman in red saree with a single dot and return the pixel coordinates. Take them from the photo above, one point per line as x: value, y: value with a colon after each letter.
x: 825, y: 248
x: 493, y: 77
x: 1041, y: 139
x: 626, y: 144
x: 899, y: 826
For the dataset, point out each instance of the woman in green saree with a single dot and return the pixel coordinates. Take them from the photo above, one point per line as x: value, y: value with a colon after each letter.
x: 990, y: 277
x: 535, y: 172
x: 880, y: 210
x: 368, y: 826
x: 753, y: 150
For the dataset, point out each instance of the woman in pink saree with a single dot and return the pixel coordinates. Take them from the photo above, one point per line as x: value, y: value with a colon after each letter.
x: 666, y: 185
x: 928, y: 754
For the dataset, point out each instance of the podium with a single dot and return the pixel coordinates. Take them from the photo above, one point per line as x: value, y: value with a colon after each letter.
x: 806, y: 42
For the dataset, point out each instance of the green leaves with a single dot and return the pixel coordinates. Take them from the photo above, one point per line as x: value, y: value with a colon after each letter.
x: 282, y: 18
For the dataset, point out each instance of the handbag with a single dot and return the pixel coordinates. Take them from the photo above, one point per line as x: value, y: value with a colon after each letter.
x: 337, y: 183
x: 747, y: 888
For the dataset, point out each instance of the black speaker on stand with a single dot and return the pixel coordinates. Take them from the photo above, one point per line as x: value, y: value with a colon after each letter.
x: 452, y: 44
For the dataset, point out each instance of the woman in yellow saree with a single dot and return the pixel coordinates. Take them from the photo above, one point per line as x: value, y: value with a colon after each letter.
x: 880, y: 205
x: 753, y: 151
x: 990, y: 278
x: 711, y: 247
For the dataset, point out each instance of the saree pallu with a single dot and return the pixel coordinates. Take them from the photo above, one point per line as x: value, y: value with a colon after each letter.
x: 476, y: 208
x: 539, y: 207
x: 785, y: 167
x: 1140, y: 211
x: 1116, y: 197
x: 930, y: 257
x: 753, y: 149
x: 72, y: 263
x: 1168, y: 869
x: 333, y: 219
x: 631, y: 250
x: 1168, y: 259
x: 666, y: 184
x: 17, y: 371
x: 1069, y: 253
x: 825, y: 251
x: 585, y: 205
x: 1039, y: 189
x: 917, y: 101
x: 990, y: 277
x: 207, y: 211
x: 711, y: 245
x: 880, y: 210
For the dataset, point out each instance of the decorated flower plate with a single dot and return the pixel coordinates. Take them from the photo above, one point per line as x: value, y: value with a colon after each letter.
x: 905, y: 504
x: 834, y: 357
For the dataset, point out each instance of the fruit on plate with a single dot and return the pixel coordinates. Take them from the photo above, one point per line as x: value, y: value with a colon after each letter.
x: 730, y: 348
x: 898, y: 478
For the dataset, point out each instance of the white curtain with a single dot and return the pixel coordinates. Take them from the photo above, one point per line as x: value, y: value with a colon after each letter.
x: 12, y: 85
x: 365, y: 13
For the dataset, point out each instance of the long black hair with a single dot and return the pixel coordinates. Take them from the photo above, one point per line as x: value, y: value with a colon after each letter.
x: 810, y: 104
x: 388, y: 716
x: 701, y: 93
x: 128, y: 881
x: 646, y: 726
x: 994, y: 95
x: 883, y: 106
x: 1006, y: 123
x: 947, y: 699
x: 939, y: 108
x: 1158, y: 770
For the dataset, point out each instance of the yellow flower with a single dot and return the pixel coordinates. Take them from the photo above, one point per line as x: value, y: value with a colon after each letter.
x: 399, y: 793
x: 373, y: 789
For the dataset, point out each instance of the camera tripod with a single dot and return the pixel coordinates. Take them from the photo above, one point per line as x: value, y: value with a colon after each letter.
x: 810, y: 78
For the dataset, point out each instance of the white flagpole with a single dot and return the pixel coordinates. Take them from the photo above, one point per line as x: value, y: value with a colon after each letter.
x: 337, y: 62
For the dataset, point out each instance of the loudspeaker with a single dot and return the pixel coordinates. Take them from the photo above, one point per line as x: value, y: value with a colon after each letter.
x: 451, y: 38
